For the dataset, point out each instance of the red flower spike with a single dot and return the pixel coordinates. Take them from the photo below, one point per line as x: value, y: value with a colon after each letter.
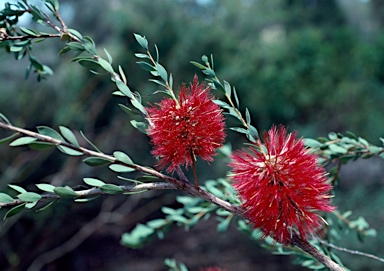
x: 280, y: 185
x: 181, y: 130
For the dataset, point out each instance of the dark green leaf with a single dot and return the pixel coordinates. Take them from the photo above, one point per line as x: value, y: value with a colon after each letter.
x: 69, y: 135
x: 5, y: 198
x: 111, y: 188
x: 121, y: 168
x: 65, y: 192
x: 15, y: 210
x: 41, y: 146
x: 96, y: 161
x: 8, y: 139
x: 69, y: 151
x: 29, y: 197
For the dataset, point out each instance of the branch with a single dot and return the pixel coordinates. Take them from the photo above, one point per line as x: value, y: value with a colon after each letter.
x: 355, y: 252
x: 180, y: 185
x: 4, y: 37
x: 97, y: 191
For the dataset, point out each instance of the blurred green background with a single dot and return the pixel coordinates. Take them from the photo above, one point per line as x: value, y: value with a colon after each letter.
x: 315, y: 66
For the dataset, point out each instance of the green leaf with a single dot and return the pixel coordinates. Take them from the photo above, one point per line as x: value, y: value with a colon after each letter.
x: 45, y: 207
x: 14, y: 211
x: 157, y: 223
x: 29, y: 197
x: 141, y: 126
x: 312, y: 143
x: 41, y: 146
x: 142, y: 41
x: 46, y: 187
x: 106, y: 66
x: 111, y: 189
x: 69, y: 135
x: 202, y: 67
x: 89, y: 142
x: 5, y: 198
x: 22, y: 141
x: 96, y: 161
x: 162, y: 72
x: 65, y: 192
x: 4, y: 118
x: 28, y: 31
x: 139, y: 106
x: 89, y: 45
x: 69, y: 151
x: 121, y: 168
x: 9, y: 138
x: 123, y: 157
x: 146, y: 66
x: 47, y: 131
x: 337, y: 149
x: 76, y: 46
x: 223, y: 225
x: 93, y: 182
x: 17, y: 188
x: 137, y: 236
x: 239, y: 130
x: 75, y: 33
x: 124, y: 89
x: 139, y: 55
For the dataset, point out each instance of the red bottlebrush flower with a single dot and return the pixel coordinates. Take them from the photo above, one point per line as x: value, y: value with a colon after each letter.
x: 280, y: 185
x: 181, y: 130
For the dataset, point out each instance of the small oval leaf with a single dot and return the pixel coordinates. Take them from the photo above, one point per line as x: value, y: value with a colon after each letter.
x: 48, y: 131
x: 93, y: 182
x: 65, y: 192
x: 29, y: 197
x: 96, y: 161
x: 14, y: 211
x: 22, y: 141
x: 69, y: 151
x: 111, y: 188
x: 123, y: 157
x: 120, y: 168
x: 69, y: 135
x: 46, y: 187
x: 5, y: 198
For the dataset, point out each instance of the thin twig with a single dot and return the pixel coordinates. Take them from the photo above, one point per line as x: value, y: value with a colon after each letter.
x: 355, y: 252
x: 97, y: 191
